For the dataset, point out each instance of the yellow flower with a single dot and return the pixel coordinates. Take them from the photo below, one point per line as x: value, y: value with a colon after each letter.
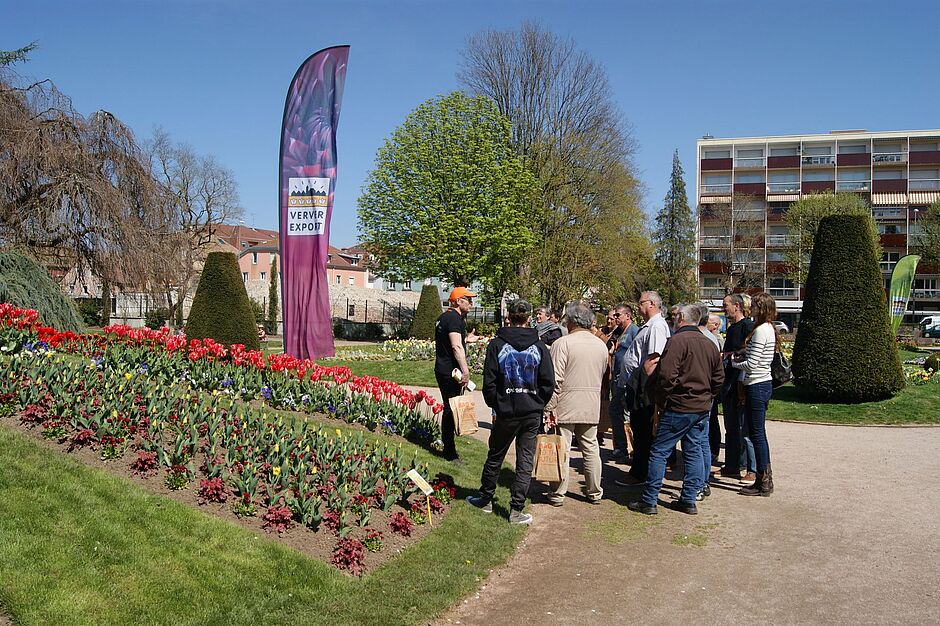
x: 314, y: 469
x: 127, y: 375
x: 339, y: 432
x: 276, y: 471
x: 277, y: 447
x: 114, y: 413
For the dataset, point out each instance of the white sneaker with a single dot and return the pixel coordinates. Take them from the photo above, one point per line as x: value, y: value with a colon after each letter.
x: 518, y: 517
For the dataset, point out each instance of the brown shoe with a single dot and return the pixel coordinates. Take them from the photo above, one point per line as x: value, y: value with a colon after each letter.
x: 750, y: 478
x: 763, y: 486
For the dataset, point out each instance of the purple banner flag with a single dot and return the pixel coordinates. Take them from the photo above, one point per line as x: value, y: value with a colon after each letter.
x: 305, y: 193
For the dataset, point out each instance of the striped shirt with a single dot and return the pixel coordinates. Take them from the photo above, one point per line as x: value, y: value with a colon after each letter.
x: 759, y: 354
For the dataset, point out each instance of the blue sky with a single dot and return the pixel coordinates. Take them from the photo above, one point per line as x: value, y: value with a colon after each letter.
x: 214, y: 74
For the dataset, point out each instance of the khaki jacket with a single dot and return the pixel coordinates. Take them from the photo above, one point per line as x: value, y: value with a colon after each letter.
x: 580, y: 361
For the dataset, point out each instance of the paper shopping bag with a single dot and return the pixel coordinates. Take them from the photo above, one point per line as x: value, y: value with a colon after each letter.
x: 465, y: 415
x: 551, y: 458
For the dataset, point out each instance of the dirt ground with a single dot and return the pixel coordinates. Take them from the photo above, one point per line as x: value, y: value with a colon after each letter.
x: 850, y: 535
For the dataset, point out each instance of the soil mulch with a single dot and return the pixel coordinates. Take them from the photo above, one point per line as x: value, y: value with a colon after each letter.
x: 318, y: 545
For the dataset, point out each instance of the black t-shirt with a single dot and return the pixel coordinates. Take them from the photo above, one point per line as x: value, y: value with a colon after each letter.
x: 450, y: 321
x: 736, y: 333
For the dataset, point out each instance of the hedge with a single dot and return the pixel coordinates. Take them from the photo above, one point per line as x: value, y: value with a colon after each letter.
x: 429, y: 309
x: 221, y: 309
x: 845, y: 350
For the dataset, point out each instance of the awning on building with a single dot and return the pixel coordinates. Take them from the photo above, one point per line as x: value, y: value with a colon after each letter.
x: 783, y: 197
x: 893, y: 199
x: 924, y: 197
x: 716, y: 200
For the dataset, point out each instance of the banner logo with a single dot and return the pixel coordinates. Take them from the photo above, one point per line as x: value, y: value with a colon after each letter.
x: 306, y: 206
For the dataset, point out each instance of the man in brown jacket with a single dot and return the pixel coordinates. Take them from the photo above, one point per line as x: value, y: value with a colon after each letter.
x: 580, y: 362
x: 683, y: 382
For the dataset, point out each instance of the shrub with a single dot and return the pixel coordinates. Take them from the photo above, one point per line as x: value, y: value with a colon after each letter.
x: 845, y: 350
x: 932, y: 362
x: 257, y: 310
x: 350, y: 555
x: 429, y: 309
x: 157, y: 318
x: 24, y: 283
x: 401, y: 524
x: 221, y: 309
x: 90, y: 311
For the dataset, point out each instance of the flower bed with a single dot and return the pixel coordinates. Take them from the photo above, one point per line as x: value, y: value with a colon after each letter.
x: 423, y: 350
x: 175, y: 413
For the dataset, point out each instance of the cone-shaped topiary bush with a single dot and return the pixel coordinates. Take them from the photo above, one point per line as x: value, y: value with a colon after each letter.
x: 845, y: 350
x: 221, y: 309
x: 24, y: 283
x: 429, y: 309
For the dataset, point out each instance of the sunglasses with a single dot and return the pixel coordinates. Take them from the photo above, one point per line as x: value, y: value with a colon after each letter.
x: 642, y: 301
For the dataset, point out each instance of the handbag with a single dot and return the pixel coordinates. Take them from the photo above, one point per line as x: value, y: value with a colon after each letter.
x: 464, y: 410
x: 551, y: 458
x: 780, y: 373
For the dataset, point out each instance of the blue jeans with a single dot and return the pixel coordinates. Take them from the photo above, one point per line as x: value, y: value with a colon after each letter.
x: 691, y: 429
x: 757, y: 397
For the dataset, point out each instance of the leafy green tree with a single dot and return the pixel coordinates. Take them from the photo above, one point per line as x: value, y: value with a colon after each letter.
x: 272, y: 300
x: 927, y: 240
x: 221, y: 308
x: 429, y: 309
x: 845, y: 350
x: 448, y: 196
x: 803, y: 218
x: 674, y: 238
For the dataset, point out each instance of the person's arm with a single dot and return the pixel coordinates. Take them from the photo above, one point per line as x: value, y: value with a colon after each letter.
x: 659, y: 335
x: 546, y: 382
x: 460, y: 356
x: 718, y: 376
x: 663, y: 380
x: 753, y: 352
x: 490, y: 375
x: 559, y: 360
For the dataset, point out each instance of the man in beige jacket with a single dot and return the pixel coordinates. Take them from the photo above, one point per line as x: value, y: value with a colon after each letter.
x: 580, y: 362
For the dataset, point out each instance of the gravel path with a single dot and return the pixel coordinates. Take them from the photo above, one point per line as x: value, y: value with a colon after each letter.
x: 851, y: 535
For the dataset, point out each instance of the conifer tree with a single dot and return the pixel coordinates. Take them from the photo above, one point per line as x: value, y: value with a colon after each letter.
x: 674, y: 238
x: 272, y: 301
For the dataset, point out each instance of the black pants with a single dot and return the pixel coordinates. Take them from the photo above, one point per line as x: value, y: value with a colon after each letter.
x: 523, y: 431
x: 734, y: 430
x: 450, y: 388
x: 714, y: 433
x: 641, y: 422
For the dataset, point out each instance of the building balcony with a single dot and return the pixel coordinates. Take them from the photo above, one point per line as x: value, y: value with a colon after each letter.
x: 814, y: 186
x: 713, y: 293
x: 721, y: 189
x: 780, y: 241
x: 883, y: 158
x: 790, y: 187
x: 924, y: 158
x: 750, y: 189
x: 711, y: 165
x: 890, y: 185
x: 711, y: 267
x: 893, y: 240
x: 783, y: 162
x: 783, y: 292
x: 714, y: 241
x: 749, y: 163
x: 854, y: 158
x: 818, y: 159
x: 853, y: 185
x: 926, y: 294
x: 924, y: 184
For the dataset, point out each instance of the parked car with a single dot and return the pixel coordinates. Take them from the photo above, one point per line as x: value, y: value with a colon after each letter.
x: 781, y: 327
x: 930, y: 326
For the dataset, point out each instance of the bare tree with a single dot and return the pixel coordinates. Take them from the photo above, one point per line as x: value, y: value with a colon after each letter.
x: 741, y: 251
x: 565, y: 123
x: 198, y: 194
x: 75, y: 192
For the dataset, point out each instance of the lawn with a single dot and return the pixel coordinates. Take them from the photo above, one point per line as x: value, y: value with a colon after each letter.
x: 913, y: 405
x: 419, y: 373
x: 81, y: 546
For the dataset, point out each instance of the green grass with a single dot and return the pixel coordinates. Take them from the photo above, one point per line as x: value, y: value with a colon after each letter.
x: 81, y: 546
x: 420, y: 373
x: 913, y: 405
x: 693, y: 539
x: 621, y: 527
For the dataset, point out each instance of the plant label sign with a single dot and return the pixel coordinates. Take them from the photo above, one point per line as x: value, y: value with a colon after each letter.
x: 419, y: 482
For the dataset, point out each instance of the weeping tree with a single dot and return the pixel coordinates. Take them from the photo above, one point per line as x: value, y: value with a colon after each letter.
x: 24, y: 283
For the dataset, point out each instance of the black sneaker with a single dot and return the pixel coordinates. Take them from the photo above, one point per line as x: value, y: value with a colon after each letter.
x: 706, y: 490
x: 688, y: 508
x: 638, y: 506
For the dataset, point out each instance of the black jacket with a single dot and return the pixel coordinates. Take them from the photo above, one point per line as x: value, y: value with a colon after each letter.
x: 518, y: 377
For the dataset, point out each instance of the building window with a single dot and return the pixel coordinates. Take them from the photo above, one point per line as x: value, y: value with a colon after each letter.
x: 714, y: 256
x: 749, y: 178
x: 780, y: 286
x: 776, y: 257
x: 817, y: 150
x: 888, y: 213
x: 354, y: 261
x: 925, y: 147
x: 391, y: 285
x: 407, y: 285
x: 254, y: 258
x: 339, y: 279
x: 245, y: 276
x: 351, y: 311
x: 891, y: 229
x: 263, y: 275
x: 889, y: 260
x: 815, y: 176
x: 853, y: 148
x: 352, y: 280
x: 716, y: 154
x: 784, y: 151
x: 889, y: 174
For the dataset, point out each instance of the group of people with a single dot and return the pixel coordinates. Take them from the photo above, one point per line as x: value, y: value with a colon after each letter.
x: 657, y: 384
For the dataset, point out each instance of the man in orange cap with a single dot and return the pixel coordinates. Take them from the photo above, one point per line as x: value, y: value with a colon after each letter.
x: 450, y: 337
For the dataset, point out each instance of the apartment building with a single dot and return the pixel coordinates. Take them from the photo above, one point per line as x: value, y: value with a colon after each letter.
x: 745, y: 186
